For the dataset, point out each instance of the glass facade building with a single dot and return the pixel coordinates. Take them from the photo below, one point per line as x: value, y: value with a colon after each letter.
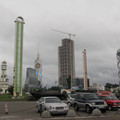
x: 31, y: 82
x: 80, y: 83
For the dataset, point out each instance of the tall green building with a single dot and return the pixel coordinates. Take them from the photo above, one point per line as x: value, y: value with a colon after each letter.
x: 17, y: 79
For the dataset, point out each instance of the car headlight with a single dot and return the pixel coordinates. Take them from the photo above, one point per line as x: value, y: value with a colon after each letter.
x: 105, y: 103
x: 50, y: 107
x: 92, y: 103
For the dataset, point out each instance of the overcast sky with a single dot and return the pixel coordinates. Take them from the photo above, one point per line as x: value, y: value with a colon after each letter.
x: 96, y: 24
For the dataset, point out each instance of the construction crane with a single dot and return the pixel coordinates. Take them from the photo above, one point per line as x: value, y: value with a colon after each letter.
x: 64, y: 33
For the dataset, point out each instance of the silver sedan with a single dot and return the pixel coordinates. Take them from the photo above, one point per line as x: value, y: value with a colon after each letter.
x: 53, y: 104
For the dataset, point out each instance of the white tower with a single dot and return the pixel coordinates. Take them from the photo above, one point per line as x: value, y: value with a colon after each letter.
x: 38, y: 68
x: 4, y: 68
x: 4, y: 81
x: 19, y: 24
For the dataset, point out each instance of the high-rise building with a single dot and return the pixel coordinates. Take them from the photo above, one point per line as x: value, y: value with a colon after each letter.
x: 19, y: 24
x: 4, y: 80
x: 118, y: 63
x: 80, y: 83
x: 66, y: 63
x: 31, y: 82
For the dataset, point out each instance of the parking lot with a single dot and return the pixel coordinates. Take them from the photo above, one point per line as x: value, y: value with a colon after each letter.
x: 26, y: 111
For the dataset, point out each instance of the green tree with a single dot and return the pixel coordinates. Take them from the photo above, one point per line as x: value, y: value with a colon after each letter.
x: 108, y: 86
x: 115, y: 85
x: 65, y: 94
x: 69, y: 82
x: 39, y: 90
x: 55, y: 88
x: 10, y: 89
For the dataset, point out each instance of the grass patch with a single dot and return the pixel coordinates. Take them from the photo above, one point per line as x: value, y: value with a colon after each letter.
x: 8, y: 97
x: 4, y: 97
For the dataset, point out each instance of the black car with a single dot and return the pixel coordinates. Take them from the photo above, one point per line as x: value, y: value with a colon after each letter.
x: 88, y: 102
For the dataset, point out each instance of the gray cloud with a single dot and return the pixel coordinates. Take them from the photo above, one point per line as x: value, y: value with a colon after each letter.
x: 95, y: 24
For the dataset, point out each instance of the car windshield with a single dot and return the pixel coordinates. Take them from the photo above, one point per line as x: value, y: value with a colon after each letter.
x: 111, y: 97
x: 90, y: 97
x: 53, y: 100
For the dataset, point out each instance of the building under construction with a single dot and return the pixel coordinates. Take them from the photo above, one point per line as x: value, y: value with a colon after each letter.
x: 66, y: 63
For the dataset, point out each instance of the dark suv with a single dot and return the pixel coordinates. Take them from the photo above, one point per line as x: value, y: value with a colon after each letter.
x: 88, y: 102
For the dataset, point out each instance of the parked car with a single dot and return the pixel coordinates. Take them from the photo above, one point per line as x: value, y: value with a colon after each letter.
x: 111, y: 100
x: 88, y: 102
x: 117, y: 95
x: 71, y: 99
x: 53, y: 104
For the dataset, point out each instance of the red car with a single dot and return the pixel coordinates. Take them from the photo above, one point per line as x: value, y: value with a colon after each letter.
x: 111, y: 100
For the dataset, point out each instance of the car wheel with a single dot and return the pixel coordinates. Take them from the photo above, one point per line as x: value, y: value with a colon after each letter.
x: 110, y: 107
x: 69, y: 104
x: 76, y: 107
x: 37, y: 109
x: 88, y: 109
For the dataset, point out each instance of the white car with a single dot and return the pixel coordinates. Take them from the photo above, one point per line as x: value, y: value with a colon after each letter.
x: 53, y: 104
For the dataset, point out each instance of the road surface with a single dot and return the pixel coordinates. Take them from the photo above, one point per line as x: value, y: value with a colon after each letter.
x: 25, y: 110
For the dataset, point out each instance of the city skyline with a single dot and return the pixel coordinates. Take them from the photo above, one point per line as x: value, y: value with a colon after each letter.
x: 95, y: 24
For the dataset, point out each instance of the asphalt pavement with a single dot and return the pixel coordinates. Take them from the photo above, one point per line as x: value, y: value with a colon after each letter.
x: 25, y: 110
